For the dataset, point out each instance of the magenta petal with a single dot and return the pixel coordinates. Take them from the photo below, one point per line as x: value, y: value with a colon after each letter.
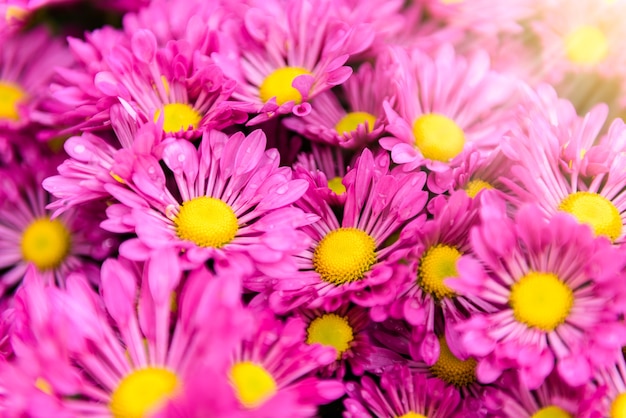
x: 119, y: 289
x: 574, y: 369
x: 487, y: 371
x: 144, y: 45
x: 163, y: 274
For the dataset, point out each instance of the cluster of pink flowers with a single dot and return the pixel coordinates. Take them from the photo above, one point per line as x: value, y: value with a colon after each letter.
x: 298, y: 208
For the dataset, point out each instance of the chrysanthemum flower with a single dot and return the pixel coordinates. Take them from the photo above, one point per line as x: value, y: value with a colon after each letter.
x: 362, y: 123
x: 70, y: 242
x: 350, y: 258
x: 113, y: 355
x: 445, y: 96
x: 551, y: 302
x: 28, y: 62
x: 176, y: 84
x: 423, y: 296
x: 554, y: 399
x: 564, y: 171
x: 402, y: 393
x: 291, y: 51
x: 229, y: 201
x: 586, y: 36
x: 345, y: 331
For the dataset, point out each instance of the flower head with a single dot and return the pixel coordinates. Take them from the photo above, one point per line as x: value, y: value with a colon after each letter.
x: 291, y: 52
x: 449, y: 96
x: 230, y: 201
x: 353, y: 257
x: 550, y: 303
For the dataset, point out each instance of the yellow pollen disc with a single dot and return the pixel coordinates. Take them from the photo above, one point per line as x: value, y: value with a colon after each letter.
x: 452, y: 1
x: 252, y: 383
x: 43, y: 385
x: 142, y: 392
x: 618, y: 406
x: 596, y: 211
x: 586, y: 45
x: 412, y: 415
x: 437, y: 264
x: 177, y: 117
x: 452, y: 370
x: 551, y: 412
x: 16, y: 13
x: 475, y: 186
x: 10, y: 96
x: 331, y: 330
x: 352, y: 120
x: 541, y: 300
x: 45, y: 243
x: 438, y: 137
x: 344, y: 255
x: 279, y: 84
x: 335, y: 184
x: 207, y: 221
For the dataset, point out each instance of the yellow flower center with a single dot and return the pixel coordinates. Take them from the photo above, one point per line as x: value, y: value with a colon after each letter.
x: 475, y: 186
x: 279, y: 84
x: 596, y: 211
x: 438, y: 137
x: 412, y: 415
x: 178, y: 117
x: 207, y: 221
x: 10, y: 96
x: 437, y: 264
x: 452, y: 370
x: 344, y: 255
x: 252, y: 383
x: 618, y: 406
x: 586, y: 45
x: 541, y: 300
x: 331, y: 330
x: 352, y: 120
x: 45, y: 243
x: 336, y: 185
x: 15, y: 13
x: 142, y: 392
x: 43, y: 385
x: 551, y: 412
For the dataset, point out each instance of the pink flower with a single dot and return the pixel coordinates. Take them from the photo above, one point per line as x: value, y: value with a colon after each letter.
x: 229, y: 201
x: 564, y: 164
x: 352, y: 257
x: 344, y: 329
x: 290, y: 52
x: 551, y: 283
x: 176, y: 85
x: 30, y: 235
x: 445, y: 95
